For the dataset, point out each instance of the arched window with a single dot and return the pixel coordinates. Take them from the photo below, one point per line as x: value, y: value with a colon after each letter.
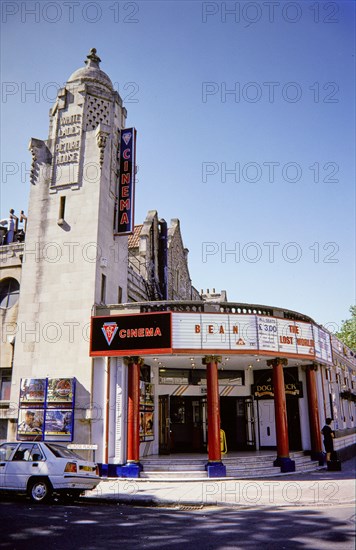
x: 9, y: 292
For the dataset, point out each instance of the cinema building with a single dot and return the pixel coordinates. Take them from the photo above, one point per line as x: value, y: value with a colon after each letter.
x: 106, y: 340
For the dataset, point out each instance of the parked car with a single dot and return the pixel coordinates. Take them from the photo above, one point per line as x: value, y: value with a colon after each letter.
x: 41, y: 469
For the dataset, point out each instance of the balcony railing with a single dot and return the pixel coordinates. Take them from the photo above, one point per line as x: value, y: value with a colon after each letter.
x: 199, y: 306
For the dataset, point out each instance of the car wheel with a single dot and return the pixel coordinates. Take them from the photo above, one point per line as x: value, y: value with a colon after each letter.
x: 40, y: 490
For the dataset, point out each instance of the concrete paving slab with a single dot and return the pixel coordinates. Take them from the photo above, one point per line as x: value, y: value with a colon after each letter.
x: 319, y: 488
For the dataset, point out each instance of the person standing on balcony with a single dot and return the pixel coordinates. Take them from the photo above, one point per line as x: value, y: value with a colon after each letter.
x: 12, y: 223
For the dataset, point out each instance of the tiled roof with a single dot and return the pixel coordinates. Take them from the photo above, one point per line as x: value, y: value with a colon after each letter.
x: 134, y: 239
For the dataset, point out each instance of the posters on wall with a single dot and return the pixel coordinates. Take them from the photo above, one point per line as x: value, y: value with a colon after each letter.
x: 60, y: 392
x: 46, y: 409
x: 58, y: 424
x: 146, y: 424
x: 30, y: 424
x: 146, y: 411
x: 32, y: 391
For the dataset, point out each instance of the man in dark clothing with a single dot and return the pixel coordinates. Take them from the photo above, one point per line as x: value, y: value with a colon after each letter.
x: 329, y: 435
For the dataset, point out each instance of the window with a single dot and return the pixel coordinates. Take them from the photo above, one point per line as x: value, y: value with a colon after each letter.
x: 29, y: 452
x: 6, y: 450
x: 3, y: 432
x: 5, y: 384
x: 197, y: 377
x: 9, y: 292
x: 103, y: 289
x: 62, y: 209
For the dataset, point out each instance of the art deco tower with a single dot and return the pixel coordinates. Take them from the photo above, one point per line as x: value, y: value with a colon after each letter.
x: 72, y: 259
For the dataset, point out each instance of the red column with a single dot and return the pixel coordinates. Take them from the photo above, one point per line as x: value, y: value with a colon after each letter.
x: 133, y: 410
x: 214, y: 452
x: 313, y: 409
x: 280, y: 407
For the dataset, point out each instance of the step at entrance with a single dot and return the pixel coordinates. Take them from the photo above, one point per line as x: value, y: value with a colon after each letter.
x: 238, y: 467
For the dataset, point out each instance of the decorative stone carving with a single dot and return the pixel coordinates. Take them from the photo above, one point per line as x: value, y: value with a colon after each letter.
x: 97, y: 112
x: 101, y: 139
x: 40, y: 155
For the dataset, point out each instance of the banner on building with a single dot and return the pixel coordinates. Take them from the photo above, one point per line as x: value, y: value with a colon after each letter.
x: 126, y: 184
x: 131, y: 334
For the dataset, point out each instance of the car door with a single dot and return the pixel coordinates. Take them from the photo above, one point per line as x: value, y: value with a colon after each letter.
x: 6, y: 452
x: 22, y: 466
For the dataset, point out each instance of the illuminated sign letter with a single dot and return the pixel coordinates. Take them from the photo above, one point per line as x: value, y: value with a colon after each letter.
x: 126, y: 182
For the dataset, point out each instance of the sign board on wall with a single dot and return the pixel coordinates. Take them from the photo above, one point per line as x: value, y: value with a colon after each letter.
x: 46, y: 408
x: 176, y: 332
x: 131, y: 334
x: 242, y: 332
x: 126, y: 187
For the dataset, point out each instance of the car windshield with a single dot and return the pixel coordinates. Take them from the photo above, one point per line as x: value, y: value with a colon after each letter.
x: 61, y: 452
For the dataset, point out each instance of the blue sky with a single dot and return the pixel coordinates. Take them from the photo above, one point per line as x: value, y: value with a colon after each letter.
x: 273, y: 162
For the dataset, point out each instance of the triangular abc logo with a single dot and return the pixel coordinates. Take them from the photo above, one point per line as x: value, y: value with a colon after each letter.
x: 126, y: 137
x: 109, y: 330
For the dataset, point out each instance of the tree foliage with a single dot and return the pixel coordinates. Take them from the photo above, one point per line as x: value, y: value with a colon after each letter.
x: 347, y: 332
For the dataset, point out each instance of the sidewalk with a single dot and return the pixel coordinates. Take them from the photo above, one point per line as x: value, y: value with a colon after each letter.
x: 319, y: 488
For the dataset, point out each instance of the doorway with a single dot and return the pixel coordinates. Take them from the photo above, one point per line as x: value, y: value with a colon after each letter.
x: 164, y: 425
x: 236, y: 414
x: 267, y: 423
x: 294, y: 433
x: 182, y: 424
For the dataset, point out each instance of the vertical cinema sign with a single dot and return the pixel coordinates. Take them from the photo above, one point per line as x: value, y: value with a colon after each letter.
x: 126, y: 191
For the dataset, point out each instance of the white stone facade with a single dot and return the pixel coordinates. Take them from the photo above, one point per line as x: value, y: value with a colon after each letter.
x: 71, y: 258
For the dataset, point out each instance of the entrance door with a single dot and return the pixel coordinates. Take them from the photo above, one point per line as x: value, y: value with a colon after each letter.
x: 236, y: 416
x: 164, y: 425
x: 267, y: 423
x: 187, y: 424
x: 250, y: 423
x: 294, y: 435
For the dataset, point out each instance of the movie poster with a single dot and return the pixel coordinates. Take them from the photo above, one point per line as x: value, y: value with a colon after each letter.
x: 148, y: 425
x: 32, y: 391
x: 58, y: 425
x: 60, y: 392
x: 146, y: 394
x: 30, y: 425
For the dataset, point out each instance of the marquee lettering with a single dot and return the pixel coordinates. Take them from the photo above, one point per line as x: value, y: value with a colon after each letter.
x: 210, y: 329
x: 305, y: 342
x: 286, y: 339
x: 124, y: 205
x: 126, y: 181
x: 140, y: 332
